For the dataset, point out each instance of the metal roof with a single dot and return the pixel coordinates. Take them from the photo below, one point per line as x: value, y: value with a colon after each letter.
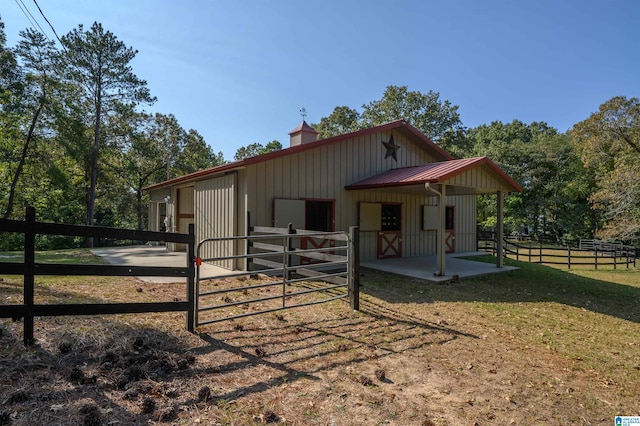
x: 432, y: 173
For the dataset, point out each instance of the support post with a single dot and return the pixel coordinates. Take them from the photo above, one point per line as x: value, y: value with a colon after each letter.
x: 289, y: 248
x: 441, y: 237
x: 248, y: 243
x: 440, y: 240
x: 354, y: 268
x: 29, y: 279
x: 500, y: 229
x: 191, y: 292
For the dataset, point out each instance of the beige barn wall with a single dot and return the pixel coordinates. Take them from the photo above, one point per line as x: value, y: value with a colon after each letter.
x: 481, y: 177
x: 466, y: 217
x: 215, y: 217
x: 323, y: 173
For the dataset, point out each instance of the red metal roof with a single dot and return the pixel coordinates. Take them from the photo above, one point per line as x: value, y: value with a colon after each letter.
x: 401, y: 125
x: 432, y: 173
x: 303, y: 127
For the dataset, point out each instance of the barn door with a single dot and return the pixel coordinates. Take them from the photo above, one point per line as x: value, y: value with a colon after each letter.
x: 288, y: 211
x: 318, y: 217
x: 312, y: 215
x: 389, y: 244
x: 449, y: 230
x: 390, y: 234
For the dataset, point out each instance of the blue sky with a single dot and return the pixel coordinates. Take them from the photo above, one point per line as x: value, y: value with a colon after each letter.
x: 238, y: 72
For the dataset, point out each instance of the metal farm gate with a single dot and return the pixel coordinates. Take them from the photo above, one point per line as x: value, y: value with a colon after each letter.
x: 277, y: 271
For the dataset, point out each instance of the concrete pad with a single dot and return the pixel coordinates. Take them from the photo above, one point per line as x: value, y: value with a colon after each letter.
x: 424, y: 267
x: 153, y: 256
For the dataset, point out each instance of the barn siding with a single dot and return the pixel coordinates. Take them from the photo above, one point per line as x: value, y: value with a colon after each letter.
x: 465, y: 221
x: 215, y: 216
x: 323, y: 173
x: 479, y: 177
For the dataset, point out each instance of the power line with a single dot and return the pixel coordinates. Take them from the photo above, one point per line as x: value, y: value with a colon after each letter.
x: 51, y: 26
x: 32, y: 20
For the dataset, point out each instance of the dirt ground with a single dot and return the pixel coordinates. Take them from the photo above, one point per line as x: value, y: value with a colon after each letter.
x: 403, y: 359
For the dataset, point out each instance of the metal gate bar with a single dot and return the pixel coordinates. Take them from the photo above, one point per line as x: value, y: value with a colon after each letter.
x: 339, y: 270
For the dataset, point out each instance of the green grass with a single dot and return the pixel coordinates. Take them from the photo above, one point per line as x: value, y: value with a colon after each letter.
x: 79, y: 256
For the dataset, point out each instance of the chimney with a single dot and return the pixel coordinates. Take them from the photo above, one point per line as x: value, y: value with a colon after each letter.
x: 303, y: 134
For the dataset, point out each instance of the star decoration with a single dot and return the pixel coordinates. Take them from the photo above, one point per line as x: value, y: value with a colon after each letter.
x: 391, y: 148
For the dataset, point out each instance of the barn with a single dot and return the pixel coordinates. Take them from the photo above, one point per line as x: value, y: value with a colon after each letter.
x: 408, y: 196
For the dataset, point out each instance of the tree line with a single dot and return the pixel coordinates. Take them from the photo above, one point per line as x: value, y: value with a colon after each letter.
x: 584, y: 183
x: 77, y: 144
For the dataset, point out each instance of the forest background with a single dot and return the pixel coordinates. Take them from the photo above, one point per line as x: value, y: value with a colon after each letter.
x: 77, y: 143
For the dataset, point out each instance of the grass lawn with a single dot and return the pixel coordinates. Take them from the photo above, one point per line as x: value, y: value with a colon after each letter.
x: 536, y: 346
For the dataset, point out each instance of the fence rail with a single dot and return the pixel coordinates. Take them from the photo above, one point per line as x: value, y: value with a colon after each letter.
x: 29, y: 269
x: 589, y: 253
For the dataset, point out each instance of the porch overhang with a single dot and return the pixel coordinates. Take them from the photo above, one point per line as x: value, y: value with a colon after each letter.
x: 468, y: 176
x: 477, y: 175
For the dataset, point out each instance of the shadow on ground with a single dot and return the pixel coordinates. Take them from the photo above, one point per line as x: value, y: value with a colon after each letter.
x: 531, y: 283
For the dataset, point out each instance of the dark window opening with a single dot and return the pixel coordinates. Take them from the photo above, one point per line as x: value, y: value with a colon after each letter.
x: 449, y: 218
x: 318, y: 215
x: 391, y: 217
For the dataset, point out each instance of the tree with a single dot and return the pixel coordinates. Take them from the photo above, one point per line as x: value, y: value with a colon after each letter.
x: 171, y: 136
x: 99, y: 64
x: 424, y: 111
x: 554, y: 201
x: 608, y: 143
x: 12, y: 82
x: 36, y: 53
x: 196, y: 155
x: 256, y: 149
x: 342, y: 120
x: 140, y: 156
x: 434, y: 117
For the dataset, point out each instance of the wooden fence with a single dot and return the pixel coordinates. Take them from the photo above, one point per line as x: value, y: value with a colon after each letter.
x: 29, y: 269
x: 591, y: 253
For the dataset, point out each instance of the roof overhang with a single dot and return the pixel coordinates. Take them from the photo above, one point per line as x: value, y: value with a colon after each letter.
x: 466, y: 176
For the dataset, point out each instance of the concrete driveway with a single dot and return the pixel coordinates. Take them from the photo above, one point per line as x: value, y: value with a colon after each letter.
x: 153, y: 256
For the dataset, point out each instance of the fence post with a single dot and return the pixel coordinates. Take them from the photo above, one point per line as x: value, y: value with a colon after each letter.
x: 354, y: 267
x: 596, y: 251
x: 289, y: 249
x: 29, y: 281
x: 568, y: 257
x: 249, y: 261
x: 191, y: 292
x: 540, y: 250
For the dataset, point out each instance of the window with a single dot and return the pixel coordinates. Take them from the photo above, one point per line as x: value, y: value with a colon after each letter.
x: 391, y: 219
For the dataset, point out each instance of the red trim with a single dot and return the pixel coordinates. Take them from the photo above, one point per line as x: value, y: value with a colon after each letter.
x: 398, y: 124
x: 303, y: 127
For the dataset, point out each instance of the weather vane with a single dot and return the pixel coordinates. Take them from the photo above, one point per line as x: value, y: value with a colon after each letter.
x: 303, y: 113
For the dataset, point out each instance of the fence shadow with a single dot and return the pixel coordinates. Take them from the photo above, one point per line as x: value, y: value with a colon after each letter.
x: 530, y: 283
x: 303, y: 349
